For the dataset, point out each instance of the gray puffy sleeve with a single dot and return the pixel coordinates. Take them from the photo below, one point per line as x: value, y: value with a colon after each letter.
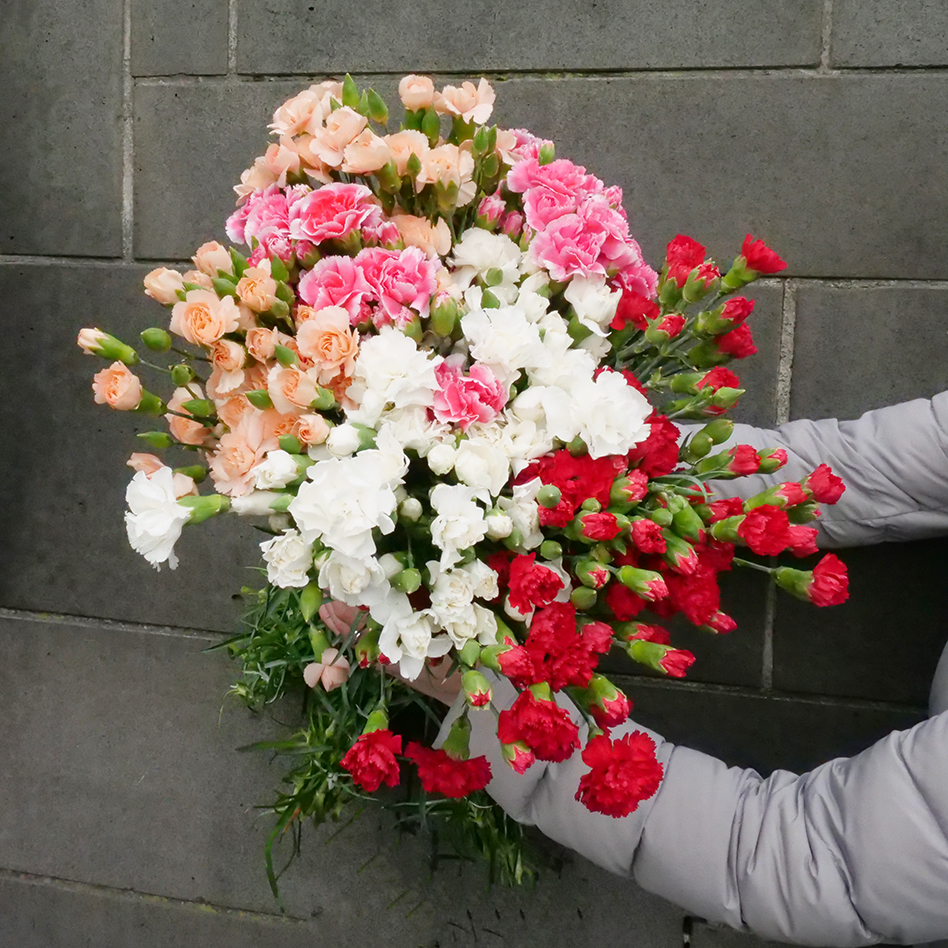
x: 853, y: 853
x: 893, y: 461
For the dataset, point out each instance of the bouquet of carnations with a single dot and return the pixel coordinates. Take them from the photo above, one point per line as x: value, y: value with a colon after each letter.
x: 446, y: 380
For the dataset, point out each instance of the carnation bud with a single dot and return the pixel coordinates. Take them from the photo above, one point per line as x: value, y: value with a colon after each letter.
x: 367, y: 647
x: 661, y: 516
x: 577, y: 447
x: 660, y: 658
x: 688, y: 524
x: 551, y: 550
x: 444, y: 316
x: 583, y: 598
x: 205, y: 506
x: 549, y: 495
x: 804, y: 513
x: 286, y: 357
x: 441, y: 459
x: 771, y: 459
x: 698, y: 447
x: 499, y: 525
x: 311, y: 598
x: 547, y: 153
x: 156, y: 339
x: 477, y: 691
x: 151, y: 404
x: 726, y: 397
x: 181, y: 374
x: 410, y: 509
x: 457, y: 744
x: 608, y: 705
x: 406, y: 581
x: 156, y: 439
x: 376, y: 721
x: 518, y: 755
x: 719, y: 430
x: 343, y: 440
x: 470, y: 654
x: 196, y: 472
x: 99, y: 343
x: 290, y: 444
x: 324, y: 399
x: 259, y: 398
x: 645, y: 583
x: 199, y: 407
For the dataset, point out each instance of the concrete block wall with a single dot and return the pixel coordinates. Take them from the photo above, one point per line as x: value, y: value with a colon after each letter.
x: 820, y: 125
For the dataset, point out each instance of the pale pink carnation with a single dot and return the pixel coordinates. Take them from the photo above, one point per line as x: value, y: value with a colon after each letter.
x: 282, y: 160
x: 366, y: 153
x: 257, y: 288
x: 335, y: 281
x: 148, y: 464
x: 517, y: 144
x: 211, y: 257
x: 469, y: 103
x: 329, y: 343
x: 261, y: 343
x: 465, y: 399
x: 567, y: 248
x: 401, y: 282
x: 434, y: 240
x: 291, y: 389
x: 257, y: 177
x: 342, y: 127
x: 299, y: 113
x: 311, y: 429
x: 446, y: 165
x: 333, y: 212
x: 404, y: 144
x: 331, y: 671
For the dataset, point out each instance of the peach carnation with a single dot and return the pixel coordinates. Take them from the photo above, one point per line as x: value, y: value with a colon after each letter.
x: 257, y: 288
x: 418, y: 232
x: 211, y: 257
x: 366, y: 152
x: 117, y: 387
x: 163, y: 284
x: 202, y: 318
x: 470, y: 104
x: 186, y: 430
x: 404, y: 144
x: 327, y: 339
x: 342, y: 127
x: 416, y: 92
x: 291, y: 388
x: 311, y: 429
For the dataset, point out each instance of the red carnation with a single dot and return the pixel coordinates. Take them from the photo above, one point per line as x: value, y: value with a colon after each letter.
x: 790, y: 494
x: 531, y: 584
x: 676, y: 662
x: 672, y: 324
x: 744, y: 460
x: 736, y: 310
x: 543, y: 726
x: 766, y: 530
x: 648, y: 633
x: 440, y: 773
x: 622, y: 774
x: 738, y: 342
x: 371, y: 760
x: 611, y: 711
x: 830, y: 586
x: 760, y: 257
x: 578, y: 479
x: 658, y: 453
x: 824, y: 485
x: 719, y: 377
x: 682, y: 256
x: 802, y: 540
x: 630, y: 488
x: 600, y: 526
x: 721, y: 623
x: 647, y: 536
x: 634, y: 308
x: 726, y: 507
x: 625, y: 605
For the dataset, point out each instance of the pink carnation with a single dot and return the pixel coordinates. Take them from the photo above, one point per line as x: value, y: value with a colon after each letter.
x: 544, y: 205
x: 561, y: 176
x: 336, y: 281
x: 333, y: 212
x: 568, y: 248
x: 463, y: 400
x: 402, y: 282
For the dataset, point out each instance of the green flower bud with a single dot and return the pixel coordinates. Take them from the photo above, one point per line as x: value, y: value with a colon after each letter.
x: 549, y: 495
x: 181, y: 374
x: 156, y: 339
x: 159, y: 440
x: 290, y: 444
x: 205, y: 506
x: 311, y: 598
x: 286, y: 357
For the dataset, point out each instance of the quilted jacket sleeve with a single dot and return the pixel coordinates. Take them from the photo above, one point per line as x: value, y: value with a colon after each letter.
x: 894, y: 462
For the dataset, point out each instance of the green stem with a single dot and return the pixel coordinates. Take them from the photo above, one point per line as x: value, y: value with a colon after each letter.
x: 763, y: 569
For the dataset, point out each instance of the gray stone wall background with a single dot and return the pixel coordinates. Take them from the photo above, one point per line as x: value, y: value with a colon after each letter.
x: 819, y: 125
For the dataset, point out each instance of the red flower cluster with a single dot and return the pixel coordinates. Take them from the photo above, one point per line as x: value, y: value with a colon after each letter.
x: 371, y: 760
x: 622, y: 774
x: 681, y: 257
x: 578, y: 479
x: 658, y: 453
x: 441, y: 773
x: 543, y: 726
x: 556, y: 651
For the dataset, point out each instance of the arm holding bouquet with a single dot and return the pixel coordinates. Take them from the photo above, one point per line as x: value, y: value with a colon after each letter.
x: 851, y: 853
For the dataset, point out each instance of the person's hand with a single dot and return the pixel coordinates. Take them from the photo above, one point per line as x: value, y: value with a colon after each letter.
x: 434, y: 680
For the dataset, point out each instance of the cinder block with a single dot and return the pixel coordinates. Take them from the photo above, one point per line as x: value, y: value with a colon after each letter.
x: 61, y: 114
x: 801, y: 162
x: 882, y: 643
x: 876, y: 33
x: 63, y: 468
x: 306, y: 36
x: 42, y: 913
x: 120, y: 771
x: 765, y: 732
x: 896, y: 348
x: 184, y: 36
x: 704, y: 935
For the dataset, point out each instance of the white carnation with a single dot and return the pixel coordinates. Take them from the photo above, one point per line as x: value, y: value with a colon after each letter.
x: 355, y: 582
x: 610, y: 414
x: 277, y: 470
x: 155, y: 518
x: 594, y: 303
x: 505, y: 340
x: 460, y: 522
x: 441, y: 459
x: 343, y: 440
x: 481, y: 464
x: 288, y: 558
